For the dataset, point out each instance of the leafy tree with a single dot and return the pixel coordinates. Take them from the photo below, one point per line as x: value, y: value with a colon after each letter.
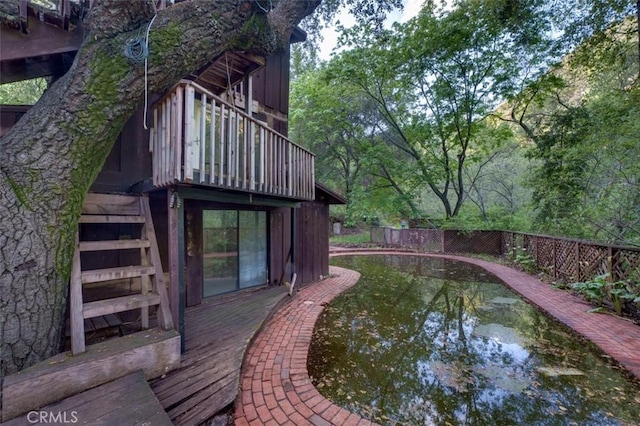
x: 435, y: 78
x: 52, y: 155
x: 582, y: 120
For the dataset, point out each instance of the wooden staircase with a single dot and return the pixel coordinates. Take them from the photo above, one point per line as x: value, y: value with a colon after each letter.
x: 98, y: 210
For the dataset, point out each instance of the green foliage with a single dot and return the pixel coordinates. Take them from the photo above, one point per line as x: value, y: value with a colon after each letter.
x: 25, y: 92
x: 522, y: 257
x: 432, y: 82
x: 405, y: 122
x: 601, y: 289
x: 351, y: 239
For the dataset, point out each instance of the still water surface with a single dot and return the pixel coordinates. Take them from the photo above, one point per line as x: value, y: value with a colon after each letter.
x: 432, y: 341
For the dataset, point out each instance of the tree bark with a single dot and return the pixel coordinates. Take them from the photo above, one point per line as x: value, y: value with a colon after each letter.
x: 51, y: 157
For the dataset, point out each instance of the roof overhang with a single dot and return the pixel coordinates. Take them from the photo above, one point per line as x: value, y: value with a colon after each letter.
x: 328, y: 196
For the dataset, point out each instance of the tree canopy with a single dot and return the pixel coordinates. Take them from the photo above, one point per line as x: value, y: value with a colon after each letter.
x: 492, y: 114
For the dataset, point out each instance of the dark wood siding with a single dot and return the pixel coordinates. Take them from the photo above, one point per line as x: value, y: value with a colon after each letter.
x: 280, y: 245
x: 193, y: 251
x: 271, y: 83
x: 10, y: 115
x: 271, y: 88
x: 129, y: 161
x: 312, y: 241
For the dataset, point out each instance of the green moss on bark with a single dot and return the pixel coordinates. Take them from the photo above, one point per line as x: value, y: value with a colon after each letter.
x: 163, y: 40
x: 255, y: 31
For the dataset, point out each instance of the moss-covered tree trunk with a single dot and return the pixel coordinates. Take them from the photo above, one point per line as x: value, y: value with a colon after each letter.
x: 50, y: 158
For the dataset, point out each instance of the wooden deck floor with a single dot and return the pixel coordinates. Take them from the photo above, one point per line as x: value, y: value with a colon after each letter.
x: 127, y: 400
x: 218, y: 332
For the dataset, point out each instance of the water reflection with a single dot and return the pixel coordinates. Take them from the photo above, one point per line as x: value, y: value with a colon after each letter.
x: 423, y: 341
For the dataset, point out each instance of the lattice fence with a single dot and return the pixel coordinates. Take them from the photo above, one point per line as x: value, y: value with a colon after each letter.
x: 565, y: 260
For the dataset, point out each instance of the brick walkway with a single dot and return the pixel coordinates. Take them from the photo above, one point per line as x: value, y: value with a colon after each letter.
x: 275, y: 385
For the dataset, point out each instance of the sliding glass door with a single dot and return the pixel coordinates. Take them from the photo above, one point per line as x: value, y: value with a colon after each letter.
x: 252, y: 240
x: 234, y: 250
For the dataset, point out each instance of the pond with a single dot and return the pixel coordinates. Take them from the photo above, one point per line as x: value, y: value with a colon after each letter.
x: 422, y: 340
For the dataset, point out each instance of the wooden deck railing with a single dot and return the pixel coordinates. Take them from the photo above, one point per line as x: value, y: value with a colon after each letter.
x: 199, y: 138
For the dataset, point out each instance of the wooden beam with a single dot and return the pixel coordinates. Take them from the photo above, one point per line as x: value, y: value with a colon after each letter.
x: 112, y: 245
x: 164, y: 312
x: 98, y: 218
x: 111, y: 203
x: 119, y: 304
x: 99, y: 275
x: 189, y: 130
x: 203, y: 132
x: 75, y: 303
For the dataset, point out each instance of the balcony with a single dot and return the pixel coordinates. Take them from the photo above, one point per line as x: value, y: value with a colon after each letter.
x: 199, y: 138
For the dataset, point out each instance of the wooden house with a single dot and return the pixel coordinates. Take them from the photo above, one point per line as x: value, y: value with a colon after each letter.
x: 212, y: 199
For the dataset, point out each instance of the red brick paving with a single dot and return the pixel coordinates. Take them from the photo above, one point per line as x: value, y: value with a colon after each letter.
x: 276, y: 388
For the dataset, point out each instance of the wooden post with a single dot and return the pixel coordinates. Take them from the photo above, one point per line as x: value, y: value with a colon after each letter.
x: 221, y: 152
x: 203, y: 132
x: 166, y: 148
x: 236, y: 159
x: 180, y: 125
x: 176, y: 260
x: 173, y: 137
x: 554, y: 253
x: 164, y: 312
x: 611, y: 264
x: 155, y: 147
x: 189, y: 132
x: 75, y: 302
x: 212, y: 143
x: 578, y: 265
x: 230, y: 152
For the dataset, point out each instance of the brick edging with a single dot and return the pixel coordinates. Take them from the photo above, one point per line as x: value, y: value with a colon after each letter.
x: 275, y: 385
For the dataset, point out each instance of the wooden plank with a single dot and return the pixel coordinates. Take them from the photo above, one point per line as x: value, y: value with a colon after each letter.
x: 119, y: 304
x: 98, y: 275
x: 100, y: 218
x: 166, y: 148
x: 222, y: 144
x: 99, y: 323
x: 192, y: 411
x: 203, y: 132
x: 112, y: 245
x: 290, y: 170
x: 173, y: 212
x: 155, y: 147
x: 102, y: 204
x: 212, y: 144
x: 164, y: 312
x: 153, y: 351
x: 179, y: 129
x: 245, y: 152
x: 145, y: 287
x: 112, y: 320
x: 164, y: 141
x: 229, y: 148
x: 128, y: 400
x: 262, y: 159
x: 189, y: 131
x: 75, y: 303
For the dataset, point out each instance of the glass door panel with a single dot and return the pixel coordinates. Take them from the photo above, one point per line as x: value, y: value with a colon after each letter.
x: 219, y: 252
x: 253, y: 248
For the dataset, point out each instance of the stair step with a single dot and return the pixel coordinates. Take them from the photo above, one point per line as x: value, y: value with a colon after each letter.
x: 110, y: 218
x: 112, y: 245
x: 98, y: 275
x: 119, y: 304
x: 111, y: 204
